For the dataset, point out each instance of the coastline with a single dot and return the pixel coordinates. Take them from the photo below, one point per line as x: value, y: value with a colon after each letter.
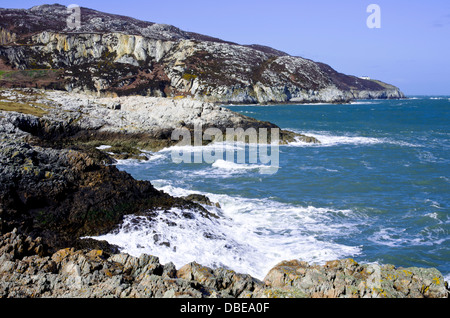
x: 52, y: 172
x: 27, y: 271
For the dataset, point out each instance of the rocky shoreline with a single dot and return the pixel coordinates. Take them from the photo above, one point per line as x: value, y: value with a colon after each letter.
x: 55, y: 183
x: 72, y: 102
x: 26, y: 270
x: 56, y: 187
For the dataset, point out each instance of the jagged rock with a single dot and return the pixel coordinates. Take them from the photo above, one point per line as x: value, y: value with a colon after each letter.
x: 63, y: 194
x: 228, y: 283
x: 202, y: 199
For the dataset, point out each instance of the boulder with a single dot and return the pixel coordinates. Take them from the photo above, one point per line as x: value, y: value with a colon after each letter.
x: 202, y: 199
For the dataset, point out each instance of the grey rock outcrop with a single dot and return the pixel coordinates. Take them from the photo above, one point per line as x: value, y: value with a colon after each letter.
x: 147, y: 122
x: 116, y: 55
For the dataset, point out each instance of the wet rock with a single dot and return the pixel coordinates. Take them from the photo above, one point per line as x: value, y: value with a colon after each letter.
x: 202, y: 199
x: 62, y: 194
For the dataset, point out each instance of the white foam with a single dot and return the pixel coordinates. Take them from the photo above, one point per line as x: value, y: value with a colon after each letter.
x: 398, y: 237
x: 434, y: 204
x: 447, y: 276
x: 128, y: 162
x: 251, y: 236
x: 151, y: 157
x: 103, y: 147
x: 389, y: 236
x: 428, y: 157
x: 316, y: 168
x: 210, y: 147
x: 155, y: 157
x: 434, y: 216
x: 328, y: 140
x: 364, y: 103
x: 238, y: 167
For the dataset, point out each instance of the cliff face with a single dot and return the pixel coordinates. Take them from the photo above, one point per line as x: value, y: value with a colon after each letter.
x: 118, y: 55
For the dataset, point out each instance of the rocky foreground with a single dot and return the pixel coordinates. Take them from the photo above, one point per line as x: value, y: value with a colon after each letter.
x: 56, y: 187
x: 27, y: 271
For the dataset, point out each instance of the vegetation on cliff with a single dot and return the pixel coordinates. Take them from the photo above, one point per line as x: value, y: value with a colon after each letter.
x: 116, y: 55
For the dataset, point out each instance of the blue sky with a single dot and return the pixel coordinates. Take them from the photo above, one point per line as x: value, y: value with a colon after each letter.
x: 411, y: 49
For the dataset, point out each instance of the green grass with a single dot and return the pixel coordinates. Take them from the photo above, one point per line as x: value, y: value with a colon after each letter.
x: 26, y: 74
x: 22, y: 108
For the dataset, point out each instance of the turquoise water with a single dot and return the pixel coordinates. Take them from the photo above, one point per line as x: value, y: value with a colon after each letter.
x: 376, y: 189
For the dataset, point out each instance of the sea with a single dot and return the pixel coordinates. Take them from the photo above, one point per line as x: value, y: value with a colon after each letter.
x: 376, y: 189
